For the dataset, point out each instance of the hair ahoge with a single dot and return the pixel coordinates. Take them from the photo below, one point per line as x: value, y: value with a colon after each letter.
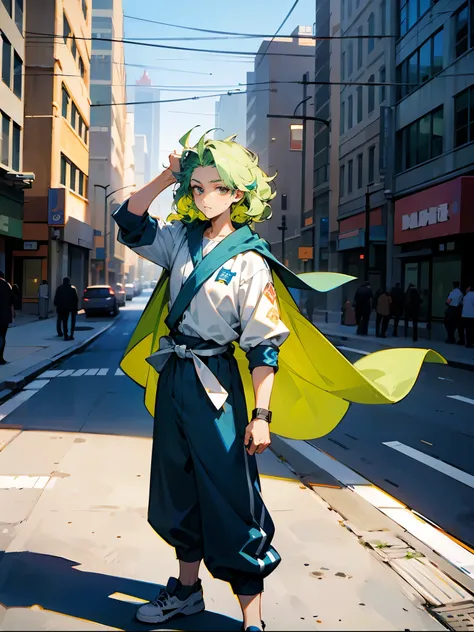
x: 239, y: 170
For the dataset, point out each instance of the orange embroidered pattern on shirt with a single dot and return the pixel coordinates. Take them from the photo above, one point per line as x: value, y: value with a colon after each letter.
x: 274, y: 316
x: 270, y: 293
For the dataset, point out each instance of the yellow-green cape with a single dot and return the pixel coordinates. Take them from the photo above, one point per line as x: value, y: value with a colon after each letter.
x: 315, y: 383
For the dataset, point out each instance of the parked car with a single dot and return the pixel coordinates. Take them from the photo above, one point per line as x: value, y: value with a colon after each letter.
x: 129, y: 291
x: 99, y: 299
x: 120, y: 294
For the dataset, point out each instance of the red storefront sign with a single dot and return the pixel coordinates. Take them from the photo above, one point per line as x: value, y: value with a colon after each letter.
x: 442, y: 210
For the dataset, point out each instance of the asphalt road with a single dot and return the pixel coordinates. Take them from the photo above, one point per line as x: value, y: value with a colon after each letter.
x: 88, y: 393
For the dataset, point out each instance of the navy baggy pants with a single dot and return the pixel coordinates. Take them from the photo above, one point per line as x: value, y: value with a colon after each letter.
x: 205, y: 497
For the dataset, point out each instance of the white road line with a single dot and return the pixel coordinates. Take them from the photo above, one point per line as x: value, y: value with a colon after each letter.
x: 354, y: 350
x: 460, y: 398
x: 445, y: 379
x: 119, y: 372
x: 36, y: 384
x: 103, y: 372
x: 66, y: 373
x: 92, y: 371
x: 79, y: 372
x: 436, y: 464
x: 50, y: 374
x: 13, y: 403
x: 23, y: 482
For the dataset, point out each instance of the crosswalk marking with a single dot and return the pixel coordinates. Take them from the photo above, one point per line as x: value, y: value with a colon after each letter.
x: 48, y: 374
x: 73, y: 373
x: 460, y: 398
x: 103, y: 372
x: 23, y: 482
x: 79, y: 372
x: 119, y: 372
x: 92, y: 372
x: 66, y: 373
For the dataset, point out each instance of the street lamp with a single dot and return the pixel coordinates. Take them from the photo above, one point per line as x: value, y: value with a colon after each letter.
x: 283, y: 227
x: 106, y: 198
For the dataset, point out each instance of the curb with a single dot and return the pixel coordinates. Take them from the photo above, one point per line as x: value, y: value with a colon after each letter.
x: 456, y: 364
x: 12, y: 385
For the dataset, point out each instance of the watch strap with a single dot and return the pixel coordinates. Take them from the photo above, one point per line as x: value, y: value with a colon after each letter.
x: 262, y: 413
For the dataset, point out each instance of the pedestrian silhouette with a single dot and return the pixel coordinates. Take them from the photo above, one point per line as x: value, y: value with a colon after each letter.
x: 66, y: 302
x: 6, y: 313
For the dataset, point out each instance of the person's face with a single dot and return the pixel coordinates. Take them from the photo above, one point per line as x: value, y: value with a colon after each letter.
x: 211, y: 195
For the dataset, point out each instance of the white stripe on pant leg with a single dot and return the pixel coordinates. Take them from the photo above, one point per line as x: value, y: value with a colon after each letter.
x: 264, y: 538
x: 271, y: 557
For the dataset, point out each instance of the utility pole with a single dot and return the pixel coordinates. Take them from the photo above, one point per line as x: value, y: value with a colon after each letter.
x: 303, y: 147
x: 283, y: 228
x: 367, y: 235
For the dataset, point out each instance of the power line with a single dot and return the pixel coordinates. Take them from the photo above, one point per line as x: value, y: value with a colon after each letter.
x: 277, y: 31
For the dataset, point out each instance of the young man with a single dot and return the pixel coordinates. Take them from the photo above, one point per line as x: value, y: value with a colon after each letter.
x: 66, y: 301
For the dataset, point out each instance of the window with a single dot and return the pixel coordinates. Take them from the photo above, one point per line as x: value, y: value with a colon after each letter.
x: 350, y: 174
x: 80, y: 189
x: 6, y: 61
x: 371, y: 95
x: 371, y: 40
x: 16, y: 147
x: 8, y: 6
x: 410, y: 11
x: 74, y: 47
x: 73, y: 176
x: 74, y: 117
x: 66, y: 29
x: 421, y: 66
x: 343, y: 66
x: 420, y: 141
x: 464, y: 117
x: 342, y: 174
x: 371, y: 173
x: 17, y: 74
x: 350, y: 59
x: 101, y: 67
x: 360, y: 47
x: 65, y: 103
x: 63, y: 170
x: 382, y: 79
x: 359, y: 104
x: 100, y: 23
x: 103, y: 4
x: 296, y: 137
x: 464, y: 28
x: 82, y: 68
x: 5, y: 139
x: 343, y: 10
x: 84, y: 9
x: 383, y: 17
x: 360, y: 165
x: 350, y: 113
x: 349, y: 8
x: 343, y: 118
x: 19, y: 14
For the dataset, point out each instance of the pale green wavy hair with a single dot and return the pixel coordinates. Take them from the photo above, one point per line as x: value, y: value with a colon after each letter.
x: 238, y: 169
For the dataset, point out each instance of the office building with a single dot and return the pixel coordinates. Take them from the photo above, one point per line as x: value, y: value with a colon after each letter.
x: 56, y: 148
x: 279, y: 141
x: 434, y: 179
x: 147, y: 122
x: 12, y: 63
x: 107, y: 186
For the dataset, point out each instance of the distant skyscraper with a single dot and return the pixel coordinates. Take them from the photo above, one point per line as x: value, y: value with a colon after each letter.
x: 147, y: 121
x: 231, y: 117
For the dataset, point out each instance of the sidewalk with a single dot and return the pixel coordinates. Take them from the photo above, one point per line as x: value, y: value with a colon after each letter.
x: 32, y: 345
x: 456, y: 355
x: 79, y: 554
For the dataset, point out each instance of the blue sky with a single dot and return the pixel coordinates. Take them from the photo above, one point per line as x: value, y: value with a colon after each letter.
x: 201, y: 70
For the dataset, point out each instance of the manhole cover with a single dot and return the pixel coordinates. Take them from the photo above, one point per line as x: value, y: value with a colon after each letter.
x: 457, y: 617
x: 83, y: 328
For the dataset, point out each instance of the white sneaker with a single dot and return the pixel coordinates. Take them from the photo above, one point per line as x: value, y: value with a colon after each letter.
x: 170, y: 603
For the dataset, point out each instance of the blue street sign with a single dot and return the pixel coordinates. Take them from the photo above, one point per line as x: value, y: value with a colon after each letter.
x: 56, y: 207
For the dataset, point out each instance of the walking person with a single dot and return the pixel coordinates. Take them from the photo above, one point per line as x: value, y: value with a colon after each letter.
x: 6, y: 313
x: 43, y: 300
x: 413, y: 302
x: 396, y: 307
x: 66, y: 302
x: 383, y: 314
x: 468, y: 317
x: 310, y: 304
x: 452, y: 316
x: 363, y: 307
x: 16, y: 299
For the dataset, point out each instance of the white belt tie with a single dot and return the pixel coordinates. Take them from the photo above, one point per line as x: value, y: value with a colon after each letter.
x: 217, y: 394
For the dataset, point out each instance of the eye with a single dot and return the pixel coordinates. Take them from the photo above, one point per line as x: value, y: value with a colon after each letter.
x: 223, y: 190
x: 197, y: 190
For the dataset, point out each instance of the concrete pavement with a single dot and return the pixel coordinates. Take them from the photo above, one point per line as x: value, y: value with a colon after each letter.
x: 76, y: 538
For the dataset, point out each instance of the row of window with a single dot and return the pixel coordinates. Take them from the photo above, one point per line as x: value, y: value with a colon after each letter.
x: 347, y: 57
x: 360, y: 172
x: 72, y: 115
x: 72, y: 177
x: 421, y: 66
x: 15, y: 10
x: 346, y: 11
x: 10, y: 142
x: 101, y: 67
x: 12, y: 67
x: 410, y: 11
x: 102, y: 28
x: 349, y: 124
x: 464, y: 117
x: 70, y: 42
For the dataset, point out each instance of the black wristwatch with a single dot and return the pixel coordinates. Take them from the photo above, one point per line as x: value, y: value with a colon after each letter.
x: 262, y: 413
